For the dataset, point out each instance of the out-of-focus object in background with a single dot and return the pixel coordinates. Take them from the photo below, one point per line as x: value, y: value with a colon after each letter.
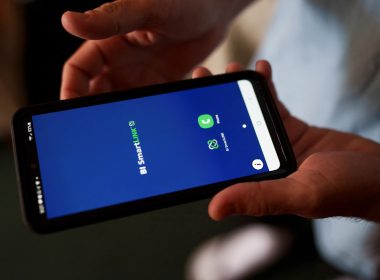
x: 10, y: 61
x: 245, y: 36
x: 241, y: 253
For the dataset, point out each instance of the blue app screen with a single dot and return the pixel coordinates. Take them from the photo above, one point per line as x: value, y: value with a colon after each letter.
x: 123, y: 151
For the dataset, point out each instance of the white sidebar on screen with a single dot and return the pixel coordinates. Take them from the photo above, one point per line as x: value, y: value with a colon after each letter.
x: 259, y: 124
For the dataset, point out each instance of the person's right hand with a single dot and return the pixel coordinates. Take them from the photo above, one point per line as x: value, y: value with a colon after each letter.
x: 139, y: 42
x: 338, y: 173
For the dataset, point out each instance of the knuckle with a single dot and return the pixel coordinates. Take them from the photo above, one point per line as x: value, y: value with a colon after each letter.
x: 311, y: 160
x: 66, y: 66
x: 114, y: 7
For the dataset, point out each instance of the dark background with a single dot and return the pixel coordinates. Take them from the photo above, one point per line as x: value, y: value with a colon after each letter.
x: 48, y: 45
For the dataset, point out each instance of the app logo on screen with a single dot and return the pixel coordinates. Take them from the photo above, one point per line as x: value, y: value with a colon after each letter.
x: 213, y: 144
x: 205, y: 121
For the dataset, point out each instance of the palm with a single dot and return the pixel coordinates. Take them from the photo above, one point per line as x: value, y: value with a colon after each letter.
x: 337, y: 184
x: 329, y: 160
x: 334, y: 167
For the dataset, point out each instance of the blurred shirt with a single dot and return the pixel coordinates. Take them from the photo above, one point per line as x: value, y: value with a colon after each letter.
x: 326, y: 61
x: 326, y: 58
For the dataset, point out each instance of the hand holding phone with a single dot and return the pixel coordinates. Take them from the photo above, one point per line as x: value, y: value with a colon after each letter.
x: 91, y: 159
x: 337, y: 173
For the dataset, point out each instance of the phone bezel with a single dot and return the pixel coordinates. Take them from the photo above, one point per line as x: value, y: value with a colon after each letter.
x: 27, y: 159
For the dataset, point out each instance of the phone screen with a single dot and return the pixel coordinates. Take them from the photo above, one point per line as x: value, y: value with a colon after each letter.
x: 108, y: 154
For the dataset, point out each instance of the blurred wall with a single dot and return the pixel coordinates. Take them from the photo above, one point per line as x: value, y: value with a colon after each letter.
x: 244, y: 37
x: 48, y: 45
x: 10, y: 63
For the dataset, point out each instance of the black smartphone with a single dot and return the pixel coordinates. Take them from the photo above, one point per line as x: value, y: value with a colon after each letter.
x: 95, y: 158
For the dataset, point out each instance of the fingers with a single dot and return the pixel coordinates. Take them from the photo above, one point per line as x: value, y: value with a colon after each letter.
x: 295, y: 128
x: 283, y: 196
x: 80, y: 69
x: 234, y: 67
x: 87, y: 67
x: 200, y: 72
x: 117, y: 17
x: 265, y: 69
x: 100, y: 84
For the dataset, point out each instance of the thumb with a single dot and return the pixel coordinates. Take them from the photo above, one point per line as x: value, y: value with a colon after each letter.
x: 282, y: 196
x: 113, y: 18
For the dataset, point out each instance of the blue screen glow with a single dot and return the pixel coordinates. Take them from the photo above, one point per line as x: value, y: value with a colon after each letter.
x: 123, y: 151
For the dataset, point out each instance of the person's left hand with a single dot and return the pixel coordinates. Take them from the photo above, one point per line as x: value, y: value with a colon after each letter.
x: 338, y: 174
x: 132, y: 43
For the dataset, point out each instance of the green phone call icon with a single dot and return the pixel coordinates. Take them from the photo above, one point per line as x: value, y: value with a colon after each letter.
x: 205, y: 121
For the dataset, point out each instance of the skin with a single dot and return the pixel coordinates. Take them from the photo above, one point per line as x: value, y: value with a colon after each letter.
x: 137, y: 42
x: 338, y: 173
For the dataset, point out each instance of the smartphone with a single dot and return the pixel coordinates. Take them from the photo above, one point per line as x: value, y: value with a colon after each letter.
x: 95, y: 158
